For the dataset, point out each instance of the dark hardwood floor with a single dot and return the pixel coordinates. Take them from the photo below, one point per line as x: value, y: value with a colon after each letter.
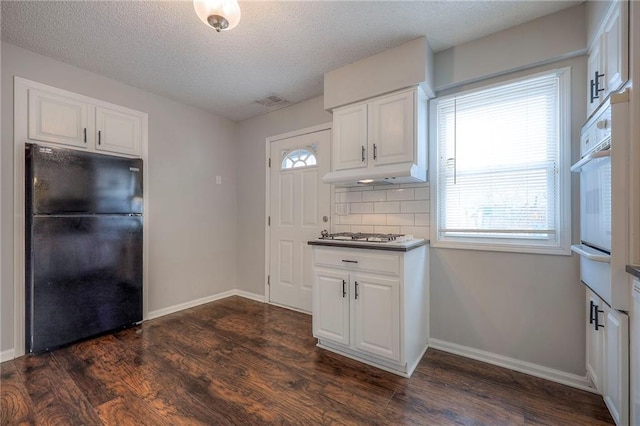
x: 236, y: 361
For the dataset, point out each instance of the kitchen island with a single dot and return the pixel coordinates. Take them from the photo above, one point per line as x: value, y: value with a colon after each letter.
x: 370, y: 301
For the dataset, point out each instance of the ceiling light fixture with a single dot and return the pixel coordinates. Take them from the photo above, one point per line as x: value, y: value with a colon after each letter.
x: 222, y: 15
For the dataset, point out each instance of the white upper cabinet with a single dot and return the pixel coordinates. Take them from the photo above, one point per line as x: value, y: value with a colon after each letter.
x: 380, y: 138
x: 608, y: 62
x: 391, y: 129
x: 350, y: 137
x: 58, y: 118
x: 615, y: 42
x: 118, y: 131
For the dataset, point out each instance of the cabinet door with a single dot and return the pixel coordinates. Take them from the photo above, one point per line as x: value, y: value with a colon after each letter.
x: 616, y: 376
x: 614, y: 44
x: 595, y: 79
x: 376, y: 315
x: 391, y: 129
x: 635, y: 354
x: 331, y: 305
x: 595, y: 340
x: 58, y: 119
x: 118, y: 131
x: 350, y: 137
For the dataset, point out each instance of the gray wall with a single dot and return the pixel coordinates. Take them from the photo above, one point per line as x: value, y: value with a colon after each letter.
x: 524, y: 306
x: 559, y: 35
x: 192, y: 222
x: 251, y: 182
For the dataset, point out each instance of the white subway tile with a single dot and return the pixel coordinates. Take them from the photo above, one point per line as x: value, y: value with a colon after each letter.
x: 374, y: 196
x: 341, y: 190
x: 400, y: 219
x: 361, y: 188
x: 352, y: 197
x: 341, y: 209
x: 422, y: 193
x: 413, y: 185
x: 387, y: 229
x: 374, y: 219
x: 341, y: 228
x: 387, y: 207
x: 419, y: 206
x: 416, y: 231
x: 400, y: 194
x: 352, y: 219
x: 362, y: 228
x: 422, y: 219
x: 361, y: 207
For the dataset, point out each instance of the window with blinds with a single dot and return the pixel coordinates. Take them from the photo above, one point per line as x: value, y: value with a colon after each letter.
x: 501, y: 172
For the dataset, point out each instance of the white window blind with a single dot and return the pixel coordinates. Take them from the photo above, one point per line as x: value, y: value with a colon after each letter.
x: 499, y: 153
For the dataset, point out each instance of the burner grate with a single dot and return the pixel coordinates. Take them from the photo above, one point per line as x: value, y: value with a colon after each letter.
x: 363, y: 236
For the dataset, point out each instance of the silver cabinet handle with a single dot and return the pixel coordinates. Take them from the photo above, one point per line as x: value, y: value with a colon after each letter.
x: 349, y: 261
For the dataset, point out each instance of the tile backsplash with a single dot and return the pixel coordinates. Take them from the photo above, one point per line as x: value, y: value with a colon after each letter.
x: 397, y: 209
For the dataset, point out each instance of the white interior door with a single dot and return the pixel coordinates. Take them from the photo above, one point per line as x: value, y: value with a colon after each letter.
x: 299, y: 211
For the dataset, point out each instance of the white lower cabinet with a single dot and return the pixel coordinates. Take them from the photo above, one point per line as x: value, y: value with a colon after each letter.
x: 608, y: 355
x: 635, y: 354
x: 595, y: 340
x: 371, y: 305
x: 616, y: 357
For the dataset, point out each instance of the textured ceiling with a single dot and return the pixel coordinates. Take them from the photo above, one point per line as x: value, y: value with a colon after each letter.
x: 281, y: 47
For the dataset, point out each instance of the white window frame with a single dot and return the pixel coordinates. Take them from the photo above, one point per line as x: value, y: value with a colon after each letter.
x: 562, y: 244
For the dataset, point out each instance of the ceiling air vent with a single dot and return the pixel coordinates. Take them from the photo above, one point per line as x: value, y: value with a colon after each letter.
x: 273, y: 102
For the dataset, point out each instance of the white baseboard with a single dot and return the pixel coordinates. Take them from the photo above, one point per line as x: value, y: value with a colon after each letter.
x: 186, y: 305
x: 7, y: 355
x: 573, y: 380
x: 248, y: 295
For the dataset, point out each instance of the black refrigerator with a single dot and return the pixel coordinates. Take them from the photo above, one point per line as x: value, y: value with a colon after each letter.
x: 83, y: 245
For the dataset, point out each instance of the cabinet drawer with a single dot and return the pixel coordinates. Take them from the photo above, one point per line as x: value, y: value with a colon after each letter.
x: 357, y: 260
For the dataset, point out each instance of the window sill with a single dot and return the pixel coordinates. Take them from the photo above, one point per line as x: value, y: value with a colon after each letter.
x: 506, y: 248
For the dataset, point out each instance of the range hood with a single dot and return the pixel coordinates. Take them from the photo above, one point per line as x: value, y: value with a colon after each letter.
x: 378, y: 175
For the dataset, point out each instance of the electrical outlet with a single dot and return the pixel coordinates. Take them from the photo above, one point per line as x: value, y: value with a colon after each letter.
x: 218, y: 180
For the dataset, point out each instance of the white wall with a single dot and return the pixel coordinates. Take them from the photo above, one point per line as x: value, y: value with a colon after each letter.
x: 192, y: 222
x: 251, y: 143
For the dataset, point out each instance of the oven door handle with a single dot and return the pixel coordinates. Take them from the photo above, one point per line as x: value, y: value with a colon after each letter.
x: 592, y: 156
x: 591, y: 254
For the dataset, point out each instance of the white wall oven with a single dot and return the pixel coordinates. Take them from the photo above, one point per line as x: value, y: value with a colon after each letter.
x: 604, y: 227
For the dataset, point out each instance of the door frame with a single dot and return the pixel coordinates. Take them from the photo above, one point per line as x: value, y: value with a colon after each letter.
x: 267, y: 203
x: 20, y: 137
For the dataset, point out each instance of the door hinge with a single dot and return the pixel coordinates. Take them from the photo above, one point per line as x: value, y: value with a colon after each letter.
x: 269, y: 162
x: 269, y: 221
x: 268, y: 279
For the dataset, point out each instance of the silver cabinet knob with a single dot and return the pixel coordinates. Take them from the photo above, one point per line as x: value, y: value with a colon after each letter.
x: 325, y: 219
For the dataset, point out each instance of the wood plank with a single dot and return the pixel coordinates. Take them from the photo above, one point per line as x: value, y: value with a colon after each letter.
x: 236, y: 361
x: 16, y: 406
